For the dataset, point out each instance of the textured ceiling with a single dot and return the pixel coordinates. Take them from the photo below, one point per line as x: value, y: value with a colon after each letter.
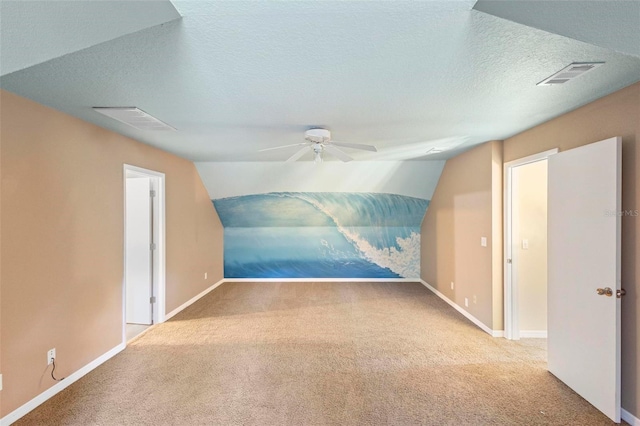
x: 37, y: 31
x: 611, y: 24
x: 236, y: 77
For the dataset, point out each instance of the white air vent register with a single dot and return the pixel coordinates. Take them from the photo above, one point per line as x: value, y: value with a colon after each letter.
x: 574, y: 70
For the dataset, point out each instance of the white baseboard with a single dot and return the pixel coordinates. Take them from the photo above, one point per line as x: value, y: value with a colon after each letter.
x: 191, y: 301
x: 25, y: 408
x: 320, y: 280
x: 533, y: 334
x: 58, y: 387
x: 476, y: 321
x: 629, y: 418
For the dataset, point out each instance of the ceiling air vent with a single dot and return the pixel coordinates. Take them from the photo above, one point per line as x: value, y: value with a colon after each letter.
x: 134, y: 117
x: 574, y: 70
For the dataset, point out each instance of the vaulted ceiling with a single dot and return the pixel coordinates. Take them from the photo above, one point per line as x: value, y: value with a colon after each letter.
x: 236, y: 77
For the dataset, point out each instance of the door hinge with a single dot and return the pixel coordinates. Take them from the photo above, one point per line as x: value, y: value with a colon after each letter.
x: 152, y: 300
x: 153, y: 246
x: 152, y: 193
x: 508, y: 260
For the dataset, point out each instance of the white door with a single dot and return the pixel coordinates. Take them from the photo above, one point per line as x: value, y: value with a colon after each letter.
x: 138, y: 260
x: 584, y: 255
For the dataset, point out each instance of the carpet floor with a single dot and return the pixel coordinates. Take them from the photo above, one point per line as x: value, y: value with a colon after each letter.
x: 320, y: 354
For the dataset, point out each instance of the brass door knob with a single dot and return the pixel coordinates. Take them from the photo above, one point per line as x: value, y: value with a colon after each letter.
x: 605, y: 292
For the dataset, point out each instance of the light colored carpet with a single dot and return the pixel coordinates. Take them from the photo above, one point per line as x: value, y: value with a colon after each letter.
x: 320, y: 354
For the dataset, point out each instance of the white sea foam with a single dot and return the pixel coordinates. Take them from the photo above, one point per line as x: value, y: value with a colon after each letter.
x: 404, y: 261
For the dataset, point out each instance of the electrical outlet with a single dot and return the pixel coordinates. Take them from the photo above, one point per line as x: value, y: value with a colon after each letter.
x: 451, y: 285
x: 475, y: 299
x: 51, y: 355
x: 0, y: 381
x: 466, y: 302
x: 483, y: 241
x: 205, y: 275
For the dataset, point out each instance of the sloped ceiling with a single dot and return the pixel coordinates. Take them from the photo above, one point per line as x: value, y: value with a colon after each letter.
x: 37, y: 31
x: 236, y: 77
x: 612, y: 25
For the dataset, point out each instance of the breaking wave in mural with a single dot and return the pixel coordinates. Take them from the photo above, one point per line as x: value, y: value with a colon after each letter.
x: 321, y: 235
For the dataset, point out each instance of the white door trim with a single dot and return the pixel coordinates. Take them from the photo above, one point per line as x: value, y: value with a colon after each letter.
x: 159, y: 256
x: 511, y: 311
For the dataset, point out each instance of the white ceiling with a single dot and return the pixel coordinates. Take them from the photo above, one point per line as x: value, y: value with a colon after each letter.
x: 236, y: 77
x: 37, y: 31
x: 611, y: 24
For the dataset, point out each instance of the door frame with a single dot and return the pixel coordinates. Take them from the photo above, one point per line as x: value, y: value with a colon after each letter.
x: 159, y: 232
x: 511, y: 308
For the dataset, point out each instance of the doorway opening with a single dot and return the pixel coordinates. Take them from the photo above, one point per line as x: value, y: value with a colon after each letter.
x: 525, y: 201
x: 144, y: 250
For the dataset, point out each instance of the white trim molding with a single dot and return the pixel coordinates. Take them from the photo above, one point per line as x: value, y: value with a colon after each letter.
x: 533, y: 334
x: 322, y: 280
x: 192, y: 300
x: 476, y: 321
x: 53, y: 390
x: 511, y: 311
x: 629, y: 418
x: 159, y: 237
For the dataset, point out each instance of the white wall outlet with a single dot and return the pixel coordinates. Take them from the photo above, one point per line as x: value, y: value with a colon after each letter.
x: 205, y: 275
x: 525, y: 244
x: 451, y: 285
x: 483, y: 241
x: 475, y: 299
x: 51, y: 355
x: 466, y: 302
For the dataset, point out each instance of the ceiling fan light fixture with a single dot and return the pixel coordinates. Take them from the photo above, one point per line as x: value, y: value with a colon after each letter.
x: 319, y: 140
x: 317, y: 149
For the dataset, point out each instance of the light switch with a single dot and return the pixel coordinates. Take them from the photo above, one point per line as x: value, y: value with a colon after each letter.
x: 525, y: 244
x: 483, y: 241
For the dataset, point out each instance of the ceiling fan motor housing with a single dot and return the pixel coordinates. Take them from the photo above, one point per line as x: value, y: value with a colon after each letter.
x: 317, y: 135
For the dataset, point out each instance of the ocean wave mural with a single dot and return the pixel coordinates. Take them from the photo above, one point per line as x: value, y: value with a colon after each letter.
x: 321, y: 235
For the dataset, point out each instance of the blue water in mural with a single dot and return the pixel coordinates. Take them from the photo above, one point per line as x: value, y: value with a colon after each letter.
x: 321, y: 235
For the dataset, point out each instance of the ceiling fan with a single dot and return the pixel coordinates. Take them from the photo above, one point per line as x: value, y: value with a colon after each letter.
x: 318, y: 141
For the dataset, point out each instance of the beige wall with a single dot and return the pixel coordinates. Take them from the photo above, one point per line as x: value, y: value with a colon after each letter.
x: 62, y: 241
x: 1, y: 392
x: 530, y: 223
x: 465, y: 207
x: 615, y: 115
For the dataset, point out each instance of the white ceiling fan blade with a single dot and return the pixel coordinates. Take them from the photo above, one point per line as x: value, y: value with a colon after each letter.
x: 284, y: 146
x: 297, y: 155
x: 355, y: 145
x: 337, y: 153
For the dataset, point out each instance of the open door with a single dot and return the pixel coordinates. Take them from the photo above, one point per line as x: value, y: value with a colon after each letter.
x: 138, y: 251
x: 584, y: 272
